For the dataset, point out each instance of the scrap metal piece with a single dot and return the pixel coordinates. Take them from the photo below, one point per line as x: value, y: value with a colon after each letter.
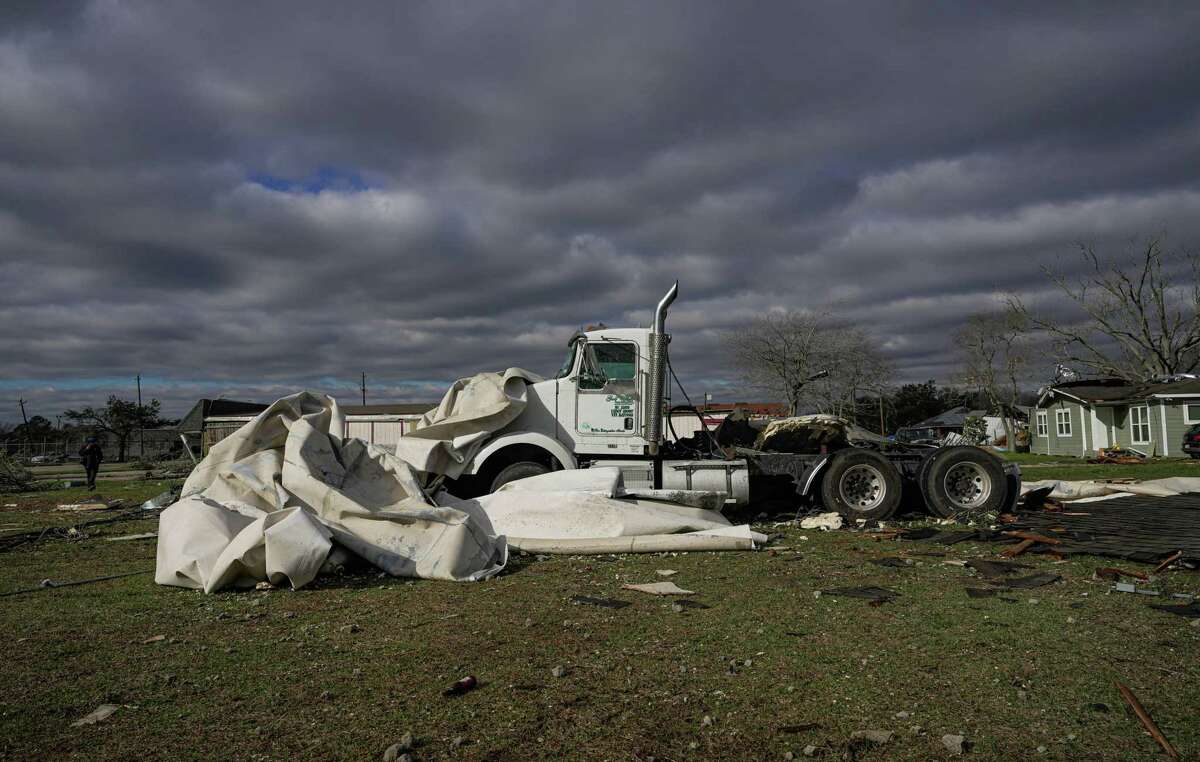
x: 1146, y: 720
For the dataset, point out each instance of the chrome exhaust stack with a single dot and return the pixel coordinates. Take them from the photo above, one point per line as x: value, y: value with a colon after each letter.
x: 658, y: 371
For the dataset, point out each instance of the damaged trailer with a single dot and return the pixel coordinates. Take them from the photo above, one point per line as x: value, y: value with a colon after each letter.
x: 830, y: 462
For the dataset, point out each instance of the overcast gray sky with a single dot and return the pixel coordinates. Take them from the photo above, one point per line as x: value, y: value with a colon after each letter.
x: 246, y: 199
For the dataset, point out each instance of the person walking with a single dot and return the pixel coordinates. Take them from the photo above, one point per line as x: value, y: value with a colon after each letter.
x: 90, y: 455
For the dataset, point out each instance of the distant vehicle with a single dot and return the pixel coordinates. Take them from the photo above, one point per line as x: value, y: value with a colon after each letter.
x: 1191, y: 441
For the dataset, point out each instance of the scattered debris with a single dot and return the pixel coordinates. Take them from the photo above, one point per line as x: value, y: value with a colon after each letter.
x: 1190, y: 610
x: 607, y: 603
x: 892, y: 561
x: 994, y: 569
x: 1025, y: 583
x: 1017, y: 549
x: 163, y: 499
x: 955, y: 744
x: 124, y: 537
x: 880, y: 594
x: 666, y: 572
x: 803, y: 727
x: 1146, y: 721
x: 464, y: 685
x: 824, y: 522
x: 154, y: 639
x: 397, y: 751
x: 659, y: 588
x: 99, y: 714
x: 874, y: 736
x: 1168, y: 561
x: 92, y: 505
x: 559, y: 671
x: 1125, y: 587
x: 49, y: 583
x: 1113, y: 574
x: 978, y: 592
x: 680, y: 605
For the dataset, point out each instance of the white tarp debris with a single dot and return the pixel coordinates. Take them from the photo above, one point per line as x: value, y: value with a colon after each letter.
x: 285, y: 495
x: 267, y: 502
x: 99, y: 714
x: 1077, y: 490
x: 659, y: 588
x: 445, y: 438
x: 823, y: 521
x: 575, y: 510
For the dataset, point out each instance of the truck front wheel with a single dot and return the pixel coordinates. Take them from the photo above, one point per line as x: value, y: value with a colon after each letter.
x: 514, y: 471
x: 861, y: 484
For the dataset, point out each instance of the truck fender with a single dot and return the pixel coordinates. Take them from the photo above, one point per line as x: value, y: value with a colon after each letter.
x: 811, y: 477
x: 552, y: 446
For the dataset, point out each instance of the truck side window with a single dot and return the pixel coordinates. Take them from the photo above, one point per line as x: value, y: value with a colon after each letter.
x: 613, y: 361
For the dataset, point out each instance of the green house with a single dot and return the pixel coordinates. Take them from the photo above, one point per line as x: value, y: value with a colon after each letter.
x: 1082, y: 417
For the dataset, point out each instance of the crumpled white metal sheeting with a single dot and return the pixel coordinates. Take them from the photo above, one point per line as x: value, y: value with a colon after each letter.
x: 445, y: 438
x: 267, y: 502
x: 271, y: 502
x: 588, y: 510
x: 1080, y: 490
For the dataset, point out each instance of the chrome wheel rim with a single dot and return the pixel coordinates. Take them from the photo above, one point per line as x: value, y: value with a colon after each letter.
x: 862, y: 487
x: 967, y: 485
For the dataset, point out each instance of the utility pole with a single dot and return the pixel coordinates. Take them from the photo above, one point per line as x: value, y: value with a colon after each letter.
x: 23, y: 416
x: 364, y: 387
x: 141, y: 421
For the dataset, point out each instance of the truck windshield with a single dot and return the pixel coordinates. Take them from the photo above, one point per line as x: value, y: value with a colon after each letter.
x: 569, y: 363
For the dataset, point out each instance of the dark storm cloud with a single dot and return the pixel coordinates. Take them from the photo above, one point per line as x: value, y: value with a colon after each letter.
x: 243, y: 199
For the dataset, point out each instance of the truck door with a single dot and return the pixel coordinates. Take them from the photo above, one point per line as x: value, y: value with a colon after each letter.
x: 607, y: 400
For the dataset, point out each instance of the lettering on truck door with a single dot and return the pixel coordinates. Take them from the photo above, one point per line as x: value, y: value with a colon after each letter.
x: 607, y: 402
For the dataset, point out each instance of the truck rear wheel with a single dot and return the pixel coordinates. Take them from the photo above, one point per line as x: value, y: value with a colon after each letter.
x: 520, y: 470
x: 861, y: 484
x: 962, y: 483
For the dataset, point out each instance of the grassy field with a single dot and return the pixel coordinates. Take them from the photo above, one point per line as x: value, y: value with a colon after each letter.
x: 345, y: 668
x: 1035, y: 467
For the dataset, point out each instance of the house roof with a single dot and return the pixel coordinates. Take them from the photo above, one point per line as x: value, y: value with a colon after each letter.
x: 218, y: 408
x: 1101, y: 390
x: 955, y: 416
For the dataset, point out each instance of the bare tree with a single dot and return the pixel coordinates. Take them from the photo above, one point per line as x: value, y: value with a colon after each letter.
x: 1142, y: 314
x: 995, y: 356
x: 855, y: 365
x: 807, y: 359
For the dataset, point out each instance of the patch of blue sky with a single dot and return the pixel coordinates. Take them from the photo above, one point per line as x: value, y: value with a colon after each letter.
x: 324, y: 178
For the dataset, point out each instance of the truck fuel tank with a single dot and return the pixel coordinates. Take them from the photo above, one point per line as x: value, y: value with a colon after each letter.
x: 729, y: 476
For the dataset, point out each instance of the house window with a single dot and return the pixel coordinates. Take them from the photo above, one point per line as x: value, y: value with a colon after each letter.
x: 1139, y: 424
x: 1043, y: 425
x: 1063, y: 419
x: 1191, y: 413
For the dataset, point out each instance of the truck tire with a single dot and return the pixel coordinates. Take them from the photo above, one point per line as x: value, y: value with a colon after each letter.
x: 962, y: 482
x: 519, y: 470
x: 861, y: 484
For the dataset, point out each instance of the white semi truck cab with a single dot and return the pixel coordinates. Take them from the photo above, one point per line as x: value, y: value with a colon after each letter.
x: 604, y: 407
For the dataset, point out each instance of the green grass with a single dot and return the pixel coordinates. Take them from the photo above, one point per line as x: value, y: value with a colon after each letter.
x: 1038, y: 467
x: 274, y: 674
